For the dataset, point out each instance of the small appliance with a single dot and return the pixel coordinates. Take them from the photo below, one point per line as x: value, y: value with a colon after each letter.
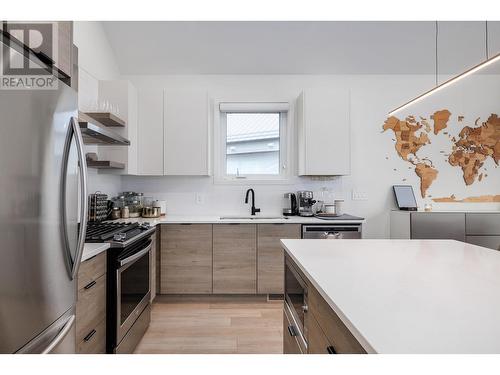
x: 289, y: 204
x: 305, y: 203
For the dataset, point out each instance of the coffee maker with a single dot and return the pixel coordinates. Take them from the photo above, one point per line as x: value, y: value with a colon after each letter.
x: 306, y: 202
x: 289, y: 204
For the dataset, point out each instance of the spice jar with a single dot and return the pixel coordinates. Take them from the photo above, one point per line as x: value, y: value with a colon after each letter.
x: 125, y: 212
x: 115, y: 213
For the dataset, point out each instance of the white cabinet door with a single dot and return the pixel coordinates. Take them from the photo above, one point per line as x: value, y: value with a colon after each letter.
x: 324, y: 132
x: 150, y: 134
x: 186, y: 132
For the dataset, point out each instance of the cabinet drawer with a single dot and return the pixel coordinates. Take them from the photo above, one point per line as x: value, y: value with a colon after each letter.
x: 482, y: 224
x: 94, y: 341
x: 491, y: 242
x: 317, y: 342
x: 270, y: 257
x: 91, y: 307
x: 438, y: 225
x: 335, y: 331
x: 91, y: 270
x: 290, y: 335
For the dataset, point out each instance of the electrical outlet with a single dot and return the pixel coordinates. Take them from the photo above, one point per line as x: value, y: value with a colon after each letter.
x: 199, y: 198
x: 359, y: 195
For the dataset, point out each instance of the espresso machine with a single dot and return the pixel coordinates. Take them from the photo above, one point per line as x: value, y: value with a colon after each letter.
x: 305, y: 203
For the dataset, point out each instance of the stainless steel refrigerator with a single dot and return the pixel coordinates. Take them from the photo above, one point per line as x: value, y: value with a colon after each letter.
x: 42, y: 217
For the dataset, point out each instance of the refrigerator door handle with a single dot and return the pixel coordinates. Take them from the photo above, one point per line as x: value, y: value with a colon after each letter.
x: 60, y: 336
x: 83, y: 197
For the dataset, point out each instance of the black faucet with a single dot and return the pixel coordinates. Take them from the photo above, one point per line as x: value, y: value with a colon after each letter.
x: 254, y: 210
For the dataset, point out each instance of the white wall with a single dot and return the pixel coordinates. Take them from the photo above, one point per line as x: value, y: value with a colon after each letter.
x: 96, y: 62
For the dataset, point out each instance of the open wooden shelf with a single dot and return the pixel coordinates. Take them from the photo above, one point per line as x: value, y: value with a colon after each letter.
x: 93, y: 134
x: 107, y: 119
x: 105, y: 164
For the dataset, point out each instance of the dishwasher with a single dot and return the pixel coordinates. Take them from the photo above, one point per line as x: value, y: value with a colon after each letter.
x: 332, y: 231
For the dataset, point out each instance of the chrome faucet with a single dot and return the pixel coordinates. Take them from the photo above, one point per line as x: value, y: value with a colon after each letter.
x: 254, y: 210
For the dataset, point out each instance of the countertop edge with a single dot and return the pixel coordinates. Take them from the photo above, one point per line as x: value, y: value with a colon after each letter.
x: 357, y: 335
x: 214, y: 220
x: 90, y: 250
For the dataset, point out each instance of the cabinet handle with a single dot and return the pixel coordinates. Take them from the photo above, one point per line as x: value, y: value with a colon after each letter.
x: 305, y: 308
x: 291, y: 331
x: 331, y: 350
x: 90, y: 335
x: 90, y: 285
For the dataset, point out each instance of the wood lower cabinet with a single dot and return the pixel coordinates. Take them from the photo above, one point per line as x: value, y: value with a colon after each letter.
x: 317, y: 341
x: 186, y: 259
x: 270, y: 258
x: 336, y: 333
x: 290, y: 337
x: 234, y: 259
x: 91, y: 306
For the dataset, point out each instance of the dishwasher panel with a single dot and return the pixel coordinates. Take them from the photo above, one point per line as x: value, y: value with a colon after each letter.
x: 336, y: 231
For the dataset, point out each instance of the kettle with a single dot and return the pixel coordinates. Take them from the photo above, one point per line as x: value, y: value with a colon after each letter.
x: 289, y: 204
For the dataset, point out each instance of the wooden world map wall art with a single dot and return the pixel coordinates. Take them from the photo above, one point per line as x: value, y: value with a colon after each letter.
x: 469, y: 150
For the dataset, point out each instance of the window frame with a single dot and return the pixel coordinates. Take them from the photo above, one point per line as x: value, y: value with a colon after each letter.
x: 220, y: 150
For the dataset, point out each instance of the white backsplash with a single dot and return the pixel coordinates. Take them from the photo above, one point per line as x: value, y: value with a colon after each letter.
x: 181, y: 192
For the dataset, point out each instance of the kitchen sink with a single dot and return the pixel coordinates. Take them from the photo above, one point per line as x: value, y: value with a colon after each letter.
x: 253, y: 217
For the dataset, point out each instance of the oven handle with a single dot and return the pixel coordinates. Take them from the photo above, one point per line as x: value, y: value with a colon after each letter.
x: 135, y: 256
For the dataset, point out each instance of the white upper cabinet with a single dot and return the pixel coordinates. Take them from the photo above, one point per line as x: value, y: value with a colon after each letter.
x: 123, y: 95
x: 323, y: 127
x: 150, y: 134
x: 186, y: 133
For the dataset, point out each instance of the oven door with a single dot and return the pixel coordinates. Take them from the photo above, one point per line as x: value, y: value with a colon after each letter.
x: 133, y: 287
x: 296, y: 298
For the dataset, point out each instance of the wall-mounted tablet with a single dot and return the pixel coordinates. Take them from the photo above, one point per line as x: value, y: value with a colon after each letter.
x: 405, y: 198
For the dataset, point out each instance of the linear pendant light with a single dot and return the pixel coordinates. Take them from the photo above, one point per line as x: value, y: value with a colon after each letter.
x: 453, y: 80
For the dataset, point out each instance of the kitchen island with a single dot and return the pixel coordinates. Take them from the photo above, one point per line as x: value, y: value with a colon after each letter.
x: 395, y: 296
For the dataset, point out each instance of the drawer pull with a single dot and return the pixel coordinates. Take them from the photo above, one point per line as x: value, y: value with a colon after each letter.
x: 90, y: 285
x: 291, y: 331
x: 90, y: 335
x: 331, y: 350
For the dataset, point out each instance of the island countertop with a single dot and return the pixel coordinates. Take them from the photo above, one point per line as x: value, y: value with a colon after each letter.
x: 408, y: 296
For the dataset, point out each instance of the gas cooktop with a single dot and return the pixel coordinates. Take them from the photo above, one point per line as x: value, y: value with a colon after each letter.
x: 118, y: 234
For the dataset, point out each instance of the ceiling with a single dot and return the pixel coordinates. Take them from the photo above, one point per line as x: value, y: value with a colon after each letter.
x: 283, y: 47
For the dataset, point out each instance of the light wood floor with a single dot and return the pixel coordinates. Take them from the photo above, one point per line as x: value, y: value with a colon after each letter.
x: 214, y: 325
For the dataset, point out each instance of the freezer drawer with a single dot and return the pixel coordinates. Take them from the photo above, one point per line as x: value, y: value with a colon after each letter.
x: 482, y: 223
x: 438, y: 225
x: 491, y: 242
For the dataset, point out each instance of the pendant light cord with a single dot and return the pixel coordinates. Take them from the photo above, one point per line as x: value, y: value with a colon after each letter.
x: 436, y: 53
x: 486, y: 40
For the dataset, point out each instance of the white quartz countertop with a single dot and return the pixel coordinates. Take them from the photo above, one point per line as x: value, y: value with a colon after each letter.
x: 408, y: 296
x: 213, y: 219
x: 92, y: 249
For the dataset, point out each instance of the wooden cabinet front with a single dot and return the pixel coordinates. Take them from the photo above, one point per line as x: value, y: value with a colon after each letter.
x: 234, y: 259
x: 335, y: 332
x: 91, y: 306
x: 186, y: 259
x: 270, y: 257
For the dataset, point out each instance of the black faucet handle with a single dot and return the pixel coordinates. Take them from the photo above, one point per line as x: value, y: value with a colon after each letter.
x: 255, y: 210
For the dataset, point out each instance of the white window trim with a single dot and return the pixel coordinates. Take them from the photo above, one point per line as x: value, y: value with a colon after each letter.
x: 286, y: 141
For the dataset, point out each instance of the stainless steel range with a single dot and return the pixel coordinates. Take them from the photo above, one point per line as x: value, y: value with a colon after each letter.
x: 128, y: 310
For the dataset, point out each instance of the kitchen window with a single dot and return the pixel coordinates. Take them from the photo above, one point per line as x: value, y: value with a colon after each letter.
x: 252, y: 142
